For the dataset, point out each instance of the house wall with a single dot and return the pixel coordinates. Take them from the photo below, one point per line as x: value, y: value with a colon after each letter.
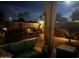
x: 30, y: 25
x: 24, y: 25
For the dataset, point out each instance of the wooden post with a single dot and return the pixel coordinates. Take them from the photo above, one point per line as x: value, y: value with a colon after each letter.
x: 50, y: 16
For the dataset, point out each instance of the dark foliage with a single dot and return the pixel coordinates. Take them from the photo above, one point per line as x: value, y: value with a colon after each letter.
x: 60, y: 18
x: 75, y: 15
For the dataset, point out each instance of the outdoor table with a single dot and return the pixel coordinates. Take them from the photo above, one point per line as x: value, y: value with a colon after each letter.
x: 65, y: 51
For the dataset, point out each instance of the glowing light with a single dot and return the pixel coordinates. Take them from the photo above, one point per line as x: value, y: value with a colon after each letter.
x: 76, y: 21
x: 40, y: 21
x: 5, y: 29
x: 68, y: 2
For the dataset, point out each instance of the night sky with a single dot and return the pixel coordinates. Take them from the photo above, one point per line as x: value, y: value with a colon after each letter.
x: 35, y: 9
x: 12, y: 9
x: 67, y: 8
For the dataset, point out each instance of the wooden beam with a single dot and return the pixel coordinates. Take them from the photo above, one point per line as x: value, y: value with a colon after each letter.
x: 50, y: 16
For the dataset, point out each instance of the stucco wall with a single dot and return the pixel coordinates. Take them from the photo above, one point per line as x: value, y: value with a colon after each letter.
x: 23, y: 25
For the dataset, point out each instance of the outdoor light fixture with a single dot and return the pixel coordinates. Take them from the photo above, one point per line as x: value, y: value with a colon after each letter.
x: 10, y: 18
x: 29, y: 31
x: 41, y: 24
x: 4, y: 28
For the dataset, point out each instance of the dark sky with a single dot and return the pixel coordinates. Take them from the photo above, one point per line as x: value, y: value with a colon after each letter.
x: 11, y: 9
x: 36, y: 8
x: 66, y: 8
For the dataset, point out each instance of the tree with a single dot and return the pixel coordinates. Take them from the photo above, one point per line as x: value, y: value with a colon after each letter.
x: 75, y: 15
x: 64, y: 19
x: 2, y: 17
x: 59, y: 18
x: 21, y: 20
x: 23, y: 15
x: 3, y: 22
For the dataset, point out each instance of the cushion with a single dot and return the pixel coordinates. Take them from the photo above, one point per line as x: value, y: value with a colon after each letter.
x: 39, y: 45
x: 31, y: 43
x: 18, y: 46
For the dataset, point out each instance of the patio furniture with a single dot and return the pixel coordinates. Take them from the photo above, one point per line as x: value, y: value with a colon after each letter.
x: 65, y: 51
x: 22, y: 49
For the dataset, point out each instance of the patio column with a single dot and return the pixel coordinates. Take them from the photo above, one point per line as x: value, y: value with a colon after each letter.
x: 50, y: 16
